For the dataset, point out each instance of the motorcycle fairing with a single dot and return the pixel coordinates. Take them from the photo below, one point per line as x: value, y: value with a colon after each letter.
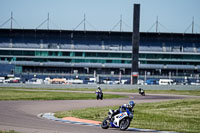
x: 118, y: 118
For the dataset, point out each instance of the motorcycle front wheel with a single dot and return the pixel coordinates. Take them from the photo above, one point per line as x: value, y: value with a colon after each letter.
x: 124, y: 124
x: 105, y: 123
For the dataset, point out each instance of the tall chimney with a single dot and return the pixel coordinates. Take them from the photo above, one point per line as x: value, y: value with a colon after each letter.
x: 135, y: 43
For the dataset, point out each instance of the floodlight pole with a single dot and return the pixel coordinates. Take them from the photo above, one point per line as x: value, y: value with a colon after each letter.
x: 11, y: 21
x: 120, y: 23
x: 48, y: 21
x: 135, y: 43
x: 157, y: 24
x: 192, y: 25
x: 84, y: 22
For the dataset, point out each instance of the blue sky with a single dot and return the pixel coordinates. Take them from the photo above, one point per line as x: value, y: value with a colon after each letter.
x: 174, y: 15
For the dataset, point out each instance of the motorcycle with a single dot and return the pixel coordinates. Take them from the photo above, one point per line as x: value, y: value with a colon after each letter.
x: 99, y: 95
x: 141, y: 92
x: 121, y: 119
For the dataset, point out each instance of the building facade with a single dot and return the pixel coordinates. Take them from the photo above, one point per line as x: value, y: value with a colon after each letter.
x: 101, y: 52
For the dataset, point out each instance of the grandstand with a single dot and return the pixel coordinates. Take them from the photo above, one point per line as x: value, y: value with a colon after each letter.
x: 101, y: 52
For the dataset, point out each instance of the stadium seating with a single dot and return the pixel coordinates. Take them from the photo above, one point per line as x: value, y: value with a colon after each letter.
x: 198, y: 49
x: 4, y: 45
x: 167, y: 49
x: 151, y: 66
x: 117, y: 65
x: 127, y: 48
x: 94, y: 47
x: 65, y: 46
x: 186, y: 67
x: 113, y: 44
x: 188, y: 49
x: 151, y: 48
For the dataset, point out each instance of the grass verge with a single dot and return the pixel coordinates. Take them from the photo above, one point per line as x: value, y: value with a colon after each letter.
x: 178, y: 92
x: 176, y: 115
x: 7, y: 94
x: 11, y: 131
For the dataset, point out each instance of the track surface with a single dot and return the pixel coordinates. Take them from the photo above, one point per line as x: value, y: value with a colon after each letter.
x: 21, y: 116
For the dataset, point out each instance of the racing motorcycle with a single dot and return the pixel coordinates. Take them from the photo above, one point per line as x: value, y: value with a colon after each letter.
x: 141, y: 92
x: 121, y: 119
x: 99, y: 95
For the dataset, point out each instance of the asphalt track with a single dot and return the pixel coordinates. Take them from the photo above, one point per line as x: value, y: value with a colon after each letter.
x: 22, y: 116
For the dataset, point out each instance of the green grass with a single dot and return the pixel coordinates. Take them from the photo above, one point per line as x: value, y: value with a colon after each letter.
x: 11, y: 131
x: 72, y: 89
x: 178, y: 115
x: 8, y: 94
x: 178, y: 92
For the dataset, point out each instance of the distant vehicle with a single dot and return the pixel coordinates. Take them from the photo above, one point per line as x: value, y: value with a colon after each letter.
x: 127, y: 81
x: 2, y: 79
x: 12, y: 80
x: 151, y: 82
x: 117, y: 81
x: 47, y: 80
x: 91, y: 82
x: 166, y: 82
x: 140, y: 82
x: 58, y: 81
x: 123, y: 81
x: 35, y: 81
x: 76, y: 80
x: 195, y: 83
x: 93, y: 79
x: 108, y: 81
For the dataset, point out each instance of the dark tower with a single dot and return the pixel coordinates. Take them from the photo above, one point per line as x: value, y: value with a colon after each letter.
x: 135, y: 43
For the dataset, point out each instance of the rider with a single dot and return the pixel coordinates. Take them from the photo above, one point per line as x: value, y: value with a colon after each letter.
x: 99, y: 89
x: 123, y: 108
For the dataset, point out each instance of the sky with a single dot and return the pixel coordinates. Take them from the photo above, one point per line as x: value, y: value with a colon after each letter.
x: 174, y: 16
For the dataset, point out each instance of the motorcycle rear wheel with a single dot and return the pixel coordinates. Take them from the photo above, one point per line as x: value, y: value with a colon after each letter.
x: 124, y: 124
x: 105, y: 123
x: 102, y: 96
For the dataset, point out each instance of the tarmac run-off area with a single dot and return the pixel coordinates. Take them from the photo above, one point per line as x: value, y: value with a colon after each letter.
x: 22, y: 116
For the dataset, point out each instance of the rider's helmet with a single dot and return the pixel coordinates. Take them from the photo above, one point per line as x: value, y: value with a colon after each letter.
x: 98, y: 87
x: 131, y: 104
